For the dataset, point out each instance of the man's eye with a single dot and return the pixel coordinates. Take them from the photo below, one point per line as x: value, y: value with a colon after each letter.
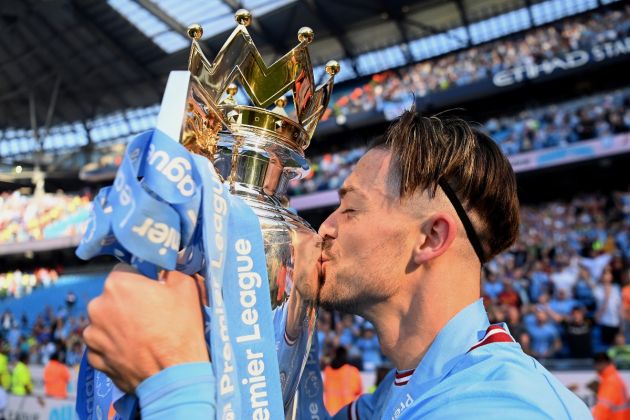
x: 345, y: 211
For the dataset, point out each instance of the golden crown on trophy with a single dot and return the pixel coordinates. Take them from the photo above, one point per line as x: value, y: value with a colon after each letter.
x: 212, y: 104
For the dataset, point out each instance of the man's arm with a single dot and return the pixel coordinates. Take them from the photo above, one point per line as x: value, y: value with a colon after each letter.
x: 184, y: 391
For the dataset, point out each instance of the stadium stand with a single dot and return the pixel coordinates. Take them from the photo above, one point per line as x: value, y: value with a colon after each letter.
x: 27, y: 218
x: 50, y: 318
x: 16, y: 284
x: 557, y: 125
x: 470, y: 65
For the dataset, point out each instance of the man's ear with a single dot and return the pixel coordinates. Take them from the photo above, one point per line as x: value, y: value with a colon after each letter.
x: 438, y: 233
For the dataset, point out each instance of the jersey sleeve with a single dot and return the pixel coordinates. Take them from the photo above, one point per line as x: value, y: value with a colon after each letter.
x: 179, y: 392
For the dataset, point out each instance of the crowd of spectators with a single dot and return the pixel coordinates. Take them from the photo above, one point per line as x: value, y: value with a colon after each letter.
x: 52, y: 332
x: 594, y: 117
x: 15, y: 284
x: 26, y: 217
x: 483, y: 61
x: 563, y: 289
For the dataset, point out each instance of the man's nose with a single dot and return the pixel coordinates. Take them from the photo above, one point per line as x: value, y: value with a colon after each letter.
x: 328, y: 228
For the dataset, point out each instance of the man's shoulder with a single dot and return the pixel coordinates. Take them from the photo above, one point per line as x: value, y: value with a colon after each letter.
x: 500, y: 378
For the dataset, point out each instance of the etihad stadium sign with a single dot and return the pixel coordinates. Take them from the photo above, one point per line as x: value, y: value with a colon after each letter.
x: 568, y: 61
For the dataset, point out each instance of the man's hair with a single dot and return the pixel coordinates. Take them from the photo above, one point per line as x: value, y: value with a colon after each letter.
x: 601, y: 357
x: 429, y: 151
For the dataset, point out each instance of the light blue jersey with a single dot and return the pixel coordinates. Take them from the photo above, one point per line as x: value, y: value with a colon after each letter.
x: 471, y: 371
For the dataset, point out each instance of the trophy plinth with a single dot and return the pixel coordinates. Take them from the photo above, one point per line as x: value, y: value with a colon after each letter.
x: 258, y: 150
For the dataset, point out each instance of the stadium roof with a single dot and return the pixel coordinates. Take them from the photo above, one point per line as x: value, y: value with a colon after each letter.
x: 68, y: 67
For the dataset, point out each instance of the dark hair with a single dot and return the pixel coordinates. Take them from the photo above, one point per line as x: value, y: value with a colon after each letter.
x: 340, y: 359
x: 23, y: 357
x: 601, y: 358
x: 433, y: 151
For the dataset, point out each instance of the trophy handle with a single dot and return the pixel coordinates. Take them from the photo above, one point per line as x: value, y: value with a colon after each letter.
x: 172, y: 114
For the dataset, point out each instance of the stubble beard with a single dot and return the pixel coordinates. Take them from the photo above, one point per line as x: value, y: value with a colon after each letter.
x: 335, y: 295
x: 349, y: 293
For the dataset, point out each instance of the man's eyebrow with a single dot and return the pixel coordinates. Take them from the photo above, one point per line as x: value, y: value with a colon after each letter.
x: 345, y: 190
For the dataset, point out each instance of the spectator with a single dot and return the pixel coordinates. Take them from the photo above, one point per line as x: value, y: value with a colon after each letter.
x: 620, y: 352
x: 516, y: 327
x: 56, y: 378
x: 346, y: 331
x: 625, y: 308
x: 583, y: 290
x: 73, y: 358
x: 540, y: 282
x: 381, y: 373
x: 612, y: 397
x: 608, y: 315
x: 508, y: 296
x: 370, y: 349
x: 71, y: 300
x: 544, y: 337
x: 492, y: 287
x: 579, y: 334
x: 562, y: 304
x: 21, y: 379
x: 5, y: 375
x: 342, y: 382
x: 566, y: 274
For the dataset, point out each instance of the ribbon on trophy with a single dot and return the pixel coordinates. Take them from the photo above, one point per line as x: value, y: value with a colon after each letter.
x: 153, y: 218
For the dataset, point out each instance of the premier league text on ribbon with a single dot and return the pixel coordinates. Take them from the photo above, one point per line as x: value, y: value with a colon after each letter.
x: 249, y: 282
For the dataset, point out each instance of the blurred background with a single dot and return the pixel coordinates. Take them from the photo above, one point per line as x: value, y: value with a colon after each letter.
x: 548, y: 80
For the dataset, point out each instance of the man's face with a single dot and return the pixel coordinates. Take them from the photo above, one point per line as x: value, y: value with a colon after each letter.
x: 367, y: 240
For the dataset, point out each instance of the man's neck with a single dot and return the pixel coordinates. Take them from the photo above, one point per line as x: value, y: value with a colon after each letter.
x: 408, y: 323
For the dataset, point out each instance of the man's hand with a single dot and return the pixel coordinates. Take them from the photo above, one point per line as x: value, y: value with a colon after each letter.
x: 140, y: 326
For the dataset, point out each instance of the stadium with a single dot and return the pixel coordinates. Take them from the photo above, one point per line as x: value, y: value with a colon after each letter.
x: 547, y: 80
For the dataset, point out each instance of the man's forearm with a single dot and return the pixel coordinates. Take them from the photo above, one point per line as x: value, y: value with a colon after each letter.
x: 184, y: 391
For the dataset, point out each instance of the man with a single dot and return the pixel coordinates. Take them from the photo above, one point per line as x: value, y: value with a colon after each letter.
x: 620, y: 352
x: 419, y: 216
x: 612, y: 396
x: 21, y: 379
x: 579, y: 334
x: 342, y: 382
x: 56, y: 378
x: 5, y: 375
x: 545, y: 338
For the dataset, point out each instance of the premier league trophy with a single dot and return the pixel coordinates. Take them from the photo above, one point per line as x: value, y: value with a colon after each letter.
x: 258, y: 149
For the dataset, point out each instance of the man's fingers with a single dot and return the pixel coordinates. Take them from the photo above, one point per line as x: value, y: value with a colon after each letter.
x: 97, y: 361
x: 201, y: 287
x: 175, y: 277
x: 96, y: 339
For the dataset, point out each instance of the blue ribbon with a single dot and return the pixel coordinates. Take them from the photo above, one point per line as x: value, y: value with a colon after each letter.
x: 168, y: 209
x: 311, y: 386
